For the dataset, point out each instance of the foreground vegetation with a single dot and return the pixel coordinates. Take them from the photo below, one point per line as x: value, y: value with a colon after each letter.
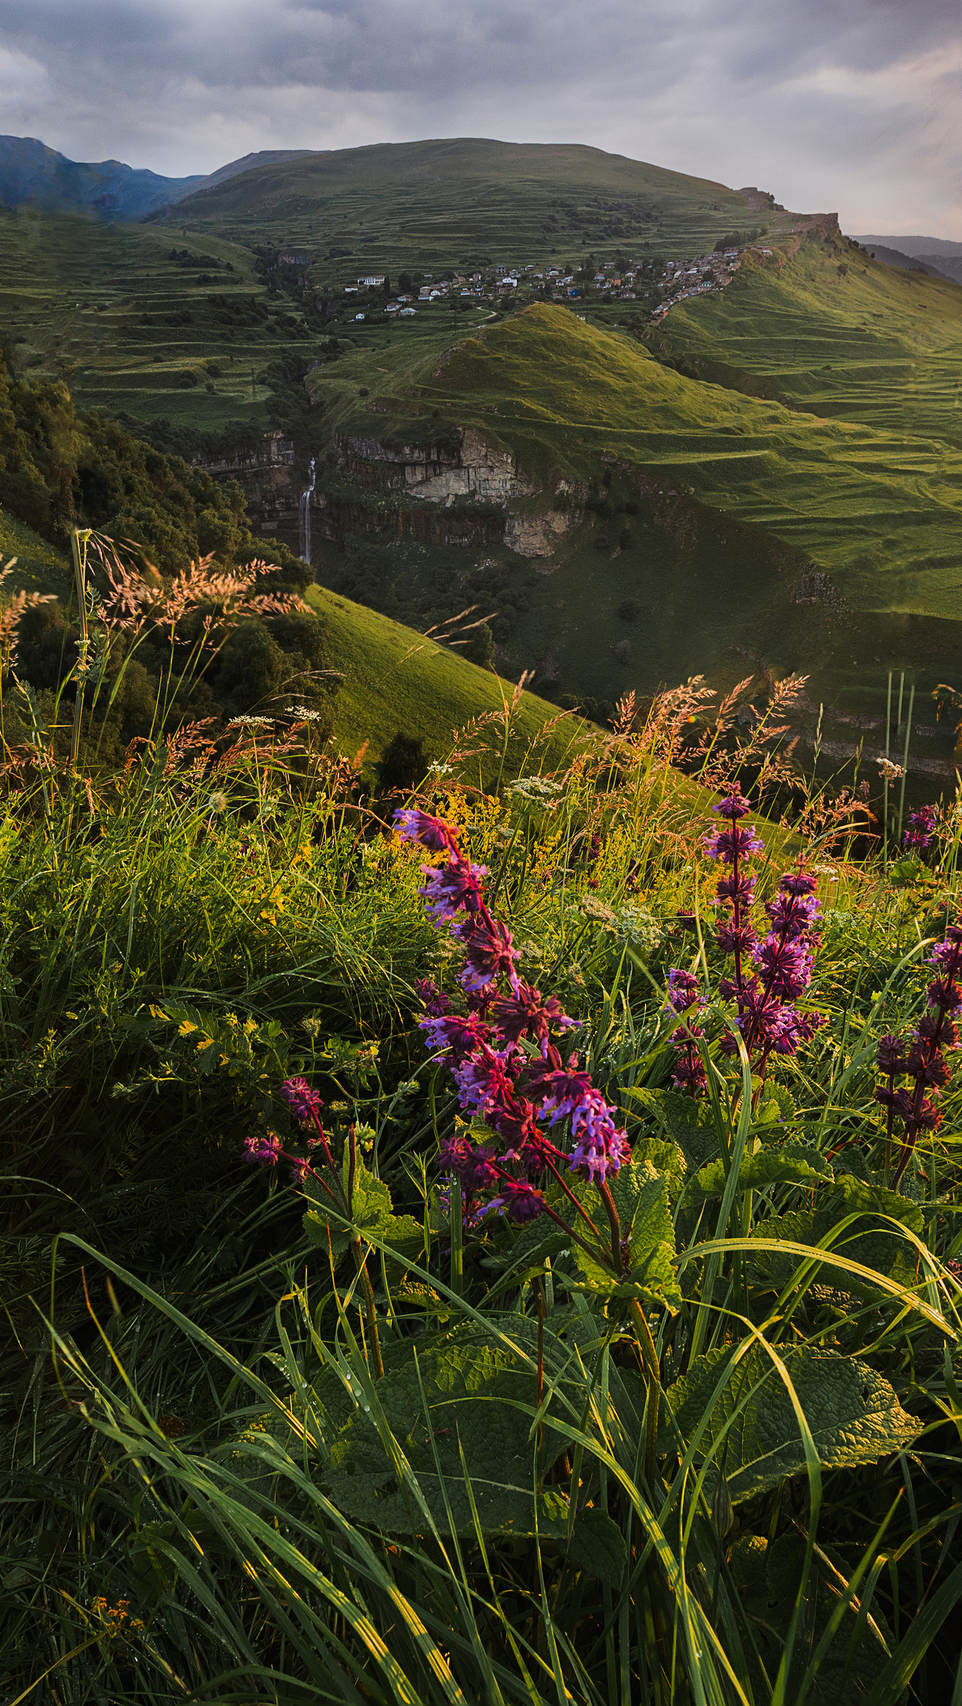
x: 342, y: 1435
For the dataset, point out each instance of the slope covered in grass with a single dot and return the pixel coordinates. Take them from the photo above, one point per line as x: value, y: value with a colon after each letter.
x: 398, y: 681
x: 441, y: 203
x: 880, y: 510
x: 834, y: 331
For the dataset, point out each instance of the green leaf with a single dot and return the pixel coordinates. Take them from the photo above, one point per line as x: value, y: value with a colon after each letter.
x: 481, y: 1398
x: 372, y: 1213
x: 787, y: 1164
x: 647, y: 1232
x: 596, y: 1543
x: 871, y: 1240
x: 685, y: 1122
x: 852, y: 1411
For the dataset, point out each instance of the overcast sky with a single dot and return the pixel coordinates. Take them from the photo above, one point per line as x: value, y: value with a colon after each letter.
x: 847, y: 105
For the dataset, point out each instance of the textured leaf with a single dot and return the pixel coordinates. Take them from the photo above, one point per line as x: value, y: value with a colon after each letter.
x: 852, y: 1411
x: 689, y: 1124
x: 479, y: 1394
x: 597, y: 1544
x: 373, y: 1215
x: 872, y: 1241
x: 787, y: 1164
x: 648, y: 1237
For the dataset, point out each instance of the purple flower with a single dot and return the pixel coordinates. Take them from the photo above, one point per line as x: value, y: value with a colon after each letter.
x: 433, y: 1000
x: 451, y: 888
x: 920, y: 832
x: 489, y: 952
x: 600, y: 1148
x: 527, y: 1013
x: 305, y: 1104
x: 736, y: 936
x: 733, y: 806
x: 785, y: 966
x: 459, y: 1033
x: 430, y: 831
x: 518, y: 1201
x: 891, y: 1057
x: 740, y: 889
x: 264, y: 1149
x: 559, y: 1088
x: 469, y: 1162
x: 682, y: 990
x: 732, y: 844
x: 484, y: 1082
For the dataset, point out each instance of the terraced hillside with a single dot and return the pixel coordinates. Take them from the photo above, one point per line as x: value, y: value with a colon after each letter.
x: 660, y: 525
x: 157, y: 322
x: 468, y: 200
x: 825, y: 327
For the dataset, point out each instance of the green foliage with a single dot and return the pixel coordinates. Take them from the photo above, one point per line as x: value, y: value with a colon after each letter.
x: 381, y: 1454
x: 742, y: 1419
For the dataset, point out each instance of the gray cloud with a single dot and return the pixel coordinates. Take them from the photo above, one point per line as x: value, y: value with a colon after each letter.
x: 848, y: 104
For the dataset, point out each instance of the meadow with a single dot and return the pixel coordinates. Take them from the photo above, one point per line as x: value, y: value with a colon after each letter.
x: 394, y: 1417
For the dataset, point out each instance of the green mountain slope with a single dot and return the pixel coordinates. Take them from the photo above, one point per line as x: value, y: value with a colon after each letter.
x: 710, y: 526
x: 828, y: 328
x: 396, y: 680
x: 441, y: 203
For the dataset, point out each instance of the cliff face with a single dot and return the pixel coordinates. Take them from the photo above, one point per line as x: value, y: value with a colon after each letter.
x: 449, y: 478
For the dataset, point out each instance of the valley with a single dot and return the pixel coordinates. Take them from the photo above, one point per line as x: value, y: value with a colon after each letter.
x: 631, y: 484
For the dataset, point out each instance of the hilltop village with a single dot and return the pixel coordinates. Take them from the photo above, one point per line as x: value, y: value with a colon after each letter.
x: 657, y: 284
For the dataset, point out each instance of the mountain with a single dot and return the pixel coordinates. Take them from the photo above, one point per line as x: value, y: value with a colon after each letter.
x: 30, y: 172
x: 466, y: 201
x: 935, y: 252
x: 908, y: 263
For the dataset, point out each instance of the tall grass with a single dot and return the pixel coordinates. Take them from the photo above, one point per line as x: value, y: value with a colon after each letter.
x: 733, y: 1480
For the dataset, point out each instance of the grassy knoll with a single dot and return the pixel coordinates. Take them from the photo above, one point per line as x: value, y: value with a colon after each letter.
x: 834, y: 332
x: 722, y: 483
x: 397, y: 680
x: 450, y: 203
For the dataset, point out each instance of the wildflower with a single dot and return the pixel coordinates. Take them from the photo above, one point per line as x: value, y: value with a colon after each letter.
x: 431, y: 832
x: 518, y: 1201
x: 733, y: 806
x: 920, y: 832
x: 682, y: 990
x: 451, y: 888
x: 733, y: 844
x: 527, y: 1013
x: 490, y: 952
x: 303, y: 1102
x: 218, y: 802
x: 889, y: 772
x: 924, y: 1063
x: 264, y: 1149
x: 469, y: 1162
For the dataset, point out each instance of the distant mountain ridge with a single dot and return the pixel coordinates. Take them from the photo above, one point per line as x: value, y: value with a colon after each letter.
x: 30, y: 172
x: 933, y: 252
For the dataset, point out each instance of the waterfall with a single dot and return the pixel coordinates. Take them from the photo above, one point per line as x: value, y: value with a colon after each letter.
x: 304, y: 517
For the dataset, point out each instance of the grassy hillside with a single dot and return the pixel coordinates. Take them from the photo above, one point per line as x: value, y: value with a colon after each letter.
x: 105, y: 306
x: 835, y: 332
x: 395, y: 681
x: 730, y: 526
x: 39, y: 567
x: 445, y: 203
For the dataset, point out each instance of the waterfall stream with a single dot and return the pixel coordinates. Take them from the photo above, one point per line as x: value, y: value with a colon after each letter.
x: 304, y: 518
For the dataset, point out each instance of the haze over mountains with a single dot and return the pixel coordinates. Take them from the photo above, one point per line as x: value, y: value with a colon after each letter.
x: 30, y: 172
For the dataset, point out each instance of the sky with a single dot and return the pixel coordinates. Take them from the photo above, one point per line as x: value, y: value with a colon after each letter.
x: 848, y: 106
